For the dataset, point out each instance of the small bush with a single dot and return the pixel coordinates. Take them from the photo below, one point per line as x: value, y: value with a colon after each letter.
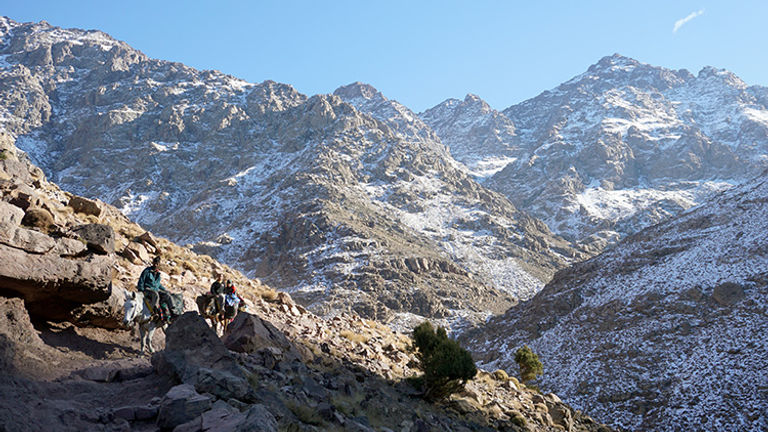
x: 446, y: 365
x: 530, y: 366
x: 3, y: 155
x: 38, y: 218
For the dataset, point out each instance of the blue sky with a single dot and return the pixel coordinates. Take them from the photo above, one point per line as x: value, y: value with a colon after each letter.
x: 423, y: 52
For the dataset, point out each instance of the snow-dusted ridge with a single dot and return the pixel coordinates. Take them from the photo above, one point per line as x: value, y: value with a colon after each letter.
x: 645, y: 135
x: 666, y: 331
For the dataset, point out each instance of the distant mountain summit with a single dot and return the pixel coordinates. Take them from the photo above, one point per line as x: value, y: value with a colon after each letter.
x: 619, y: 147
x: 482, y: 138
x: 347, y: 200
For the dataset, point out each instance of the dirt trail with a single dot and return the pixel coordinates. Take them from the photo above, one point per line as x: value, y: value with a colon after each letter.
x: 77, y: 379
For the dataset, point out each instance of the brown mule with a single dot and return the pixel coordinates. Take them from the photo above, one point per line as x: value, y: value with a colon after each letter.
x: 207, y: 308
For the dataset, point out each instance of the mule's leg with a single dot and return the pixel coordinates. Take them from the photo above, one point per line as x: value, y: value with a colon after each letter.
x: 151, y: 333
x: 141, y: 337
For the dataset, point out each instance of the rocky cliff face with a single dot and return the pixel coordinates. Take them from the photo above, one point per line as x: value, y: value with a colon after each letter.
x: 346, y: 200
x: 617, y: 148
x: 666, y: 331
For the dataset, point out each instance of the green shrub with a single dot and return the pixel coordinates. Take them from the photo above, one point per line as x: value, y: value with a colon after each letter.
x: 446, y: 365
x: 530, y: 366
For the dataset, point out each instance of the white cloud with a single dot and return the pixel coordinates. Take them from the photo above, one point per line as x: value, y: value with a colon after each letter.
x: 681, y: 22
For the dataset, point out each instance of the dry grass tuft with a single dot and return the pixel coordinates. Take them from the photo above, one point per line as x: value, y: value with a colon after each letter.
x: 269, y: 295
x: 355, y: 337
x: 501, y: 375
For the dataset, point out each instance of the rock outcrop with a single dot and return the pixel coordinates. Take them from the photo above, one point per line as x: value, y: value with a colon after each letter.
x: 292, y: 369
x: 49, y: 264
x: 250, y: 334
x: 195, y: 355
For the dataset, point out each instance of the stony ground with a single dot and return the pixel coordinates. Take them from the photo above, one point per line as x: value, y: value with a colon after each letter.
x: 343, y: 374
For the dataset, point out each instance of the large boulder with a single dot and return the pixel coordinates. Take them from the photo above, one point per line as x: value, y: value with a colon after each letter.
x: 51, y: 285
x: 10, y: 214
x: 180, y: 405
x: 728, y: 293
x: 148, y: 240
x: 228, y: 419
x: 17, y: 335
x: 136, y: 253
x: 68, y: 247
x: 24, y: 197
x: 21, y: 349
x: 195, y: 355
x: 100, y: 238
x: 258, y: 419
x: 28, y: 240
x: 249, y: 333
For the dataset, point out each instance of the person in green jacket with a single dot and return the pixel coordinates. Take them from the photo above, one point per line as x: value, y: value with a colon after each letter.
x: 149, y: 284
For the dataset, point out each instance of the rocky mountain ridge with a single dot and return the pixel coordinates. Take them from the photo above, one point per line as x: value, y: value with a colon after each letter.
x: 620, y: 147
x: 665, y: 331
x: 341, y: 202
x: 279, y: 367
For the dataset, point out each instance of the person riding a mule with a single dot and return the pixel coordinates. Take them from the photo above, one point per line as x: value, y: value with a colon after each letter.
x: 155, y: 293
x: 231, y: 300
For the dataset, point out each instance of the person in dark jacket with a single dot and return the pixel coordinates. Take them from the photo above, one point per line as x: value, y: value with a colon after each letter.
x: 217, y: 289
x: 149, y: 284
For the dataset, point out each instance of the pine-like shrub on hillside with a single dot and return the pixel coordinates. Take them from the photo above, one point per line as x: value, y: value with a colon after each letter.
x: 446, y: 365
x: 530, y: 366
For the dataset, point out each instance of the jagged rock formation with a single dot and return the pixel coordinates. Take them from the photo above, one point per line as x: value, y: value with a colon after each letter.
x: 666, y: 331
x: 347, y: 200
x: 619, y: 147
